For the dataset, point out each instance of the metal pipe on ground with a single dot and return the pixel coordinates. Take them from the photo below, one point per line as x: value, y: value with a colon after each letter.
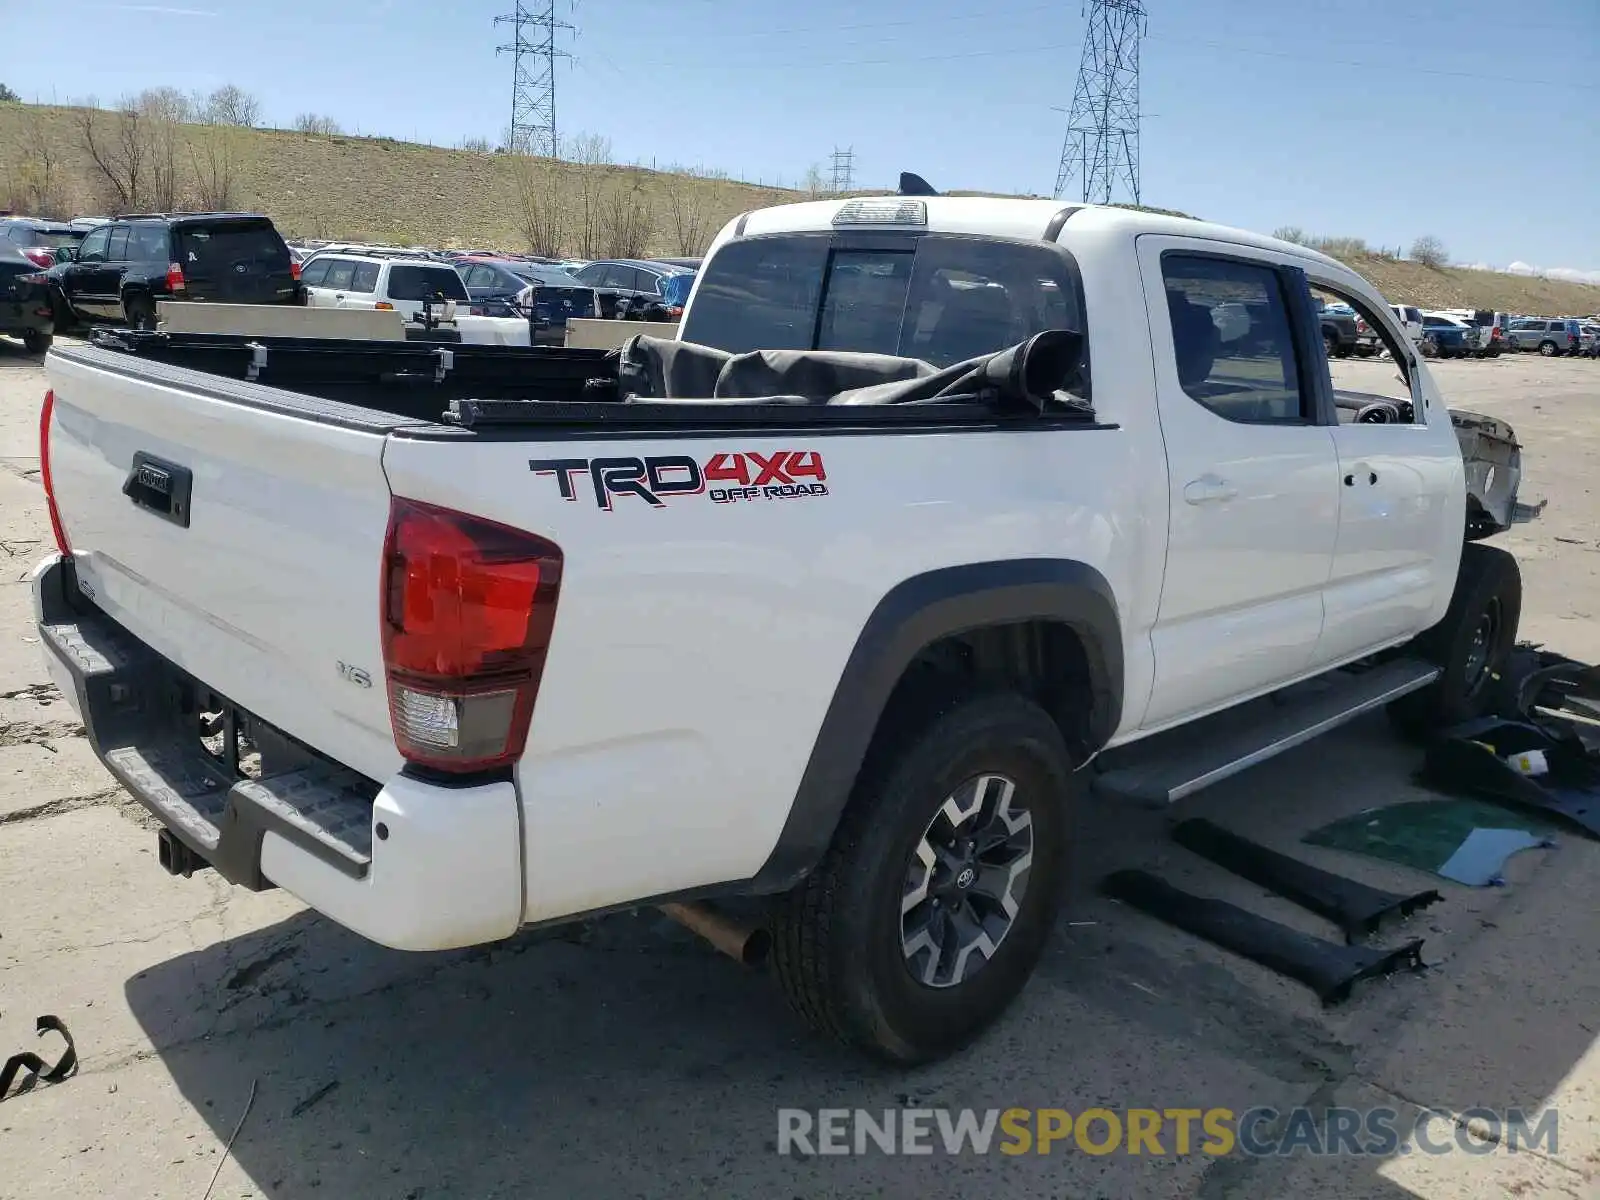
x: 747, y: 944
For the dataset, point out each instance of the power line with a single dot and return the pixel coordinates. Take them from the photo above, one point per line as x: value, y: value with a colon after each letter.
x: 533, y: 82
x: 1102, y: 144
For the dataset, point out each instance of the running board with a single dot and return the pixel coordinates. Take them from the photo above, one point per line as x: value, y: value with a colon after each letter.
x: 1171, y: 765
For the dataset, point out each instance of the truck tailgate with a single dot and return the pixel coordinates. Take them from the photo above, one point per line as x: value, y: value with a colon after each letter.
x: 264, y: 584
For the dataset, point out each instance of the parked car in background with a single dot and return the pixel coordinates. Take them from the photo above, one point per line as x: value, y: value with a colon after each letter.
x: 395, y: 281
x: 25, y: 310
x: 626, y: 283
x: 545, y: 294
x: 689, y: 264
x: 1550, y: 336
x: 675, y: 293
x: 1343, y: 332
x: 1589, y: 343
x: 1448, y: 337
x: 1410, y: 318
x: 124, y: 268
x: 1491, y: 326
x: 40, y: 240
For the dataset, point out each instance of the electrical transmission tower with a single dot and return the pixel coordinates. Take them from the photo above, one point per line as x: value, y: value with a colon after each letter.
x: 844, y: 169
x: 533, y: 87
x: 1102, y: 144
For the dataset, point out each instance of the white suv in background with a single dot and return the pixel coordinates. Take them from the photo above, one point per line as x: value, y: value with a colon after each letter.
x: 1411, y: 318
x: 374, y: 281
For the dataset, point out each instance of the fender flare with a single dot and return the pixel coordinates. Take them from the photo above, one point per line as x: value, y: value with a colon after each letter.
x: 912, y: 616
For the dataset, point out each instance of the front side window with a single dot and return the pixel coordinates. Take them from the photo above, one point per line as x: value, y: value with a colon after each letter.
x: 94, y: 246
x: 1233, y: 346
x: 365, y: 279
x: 340, y: 272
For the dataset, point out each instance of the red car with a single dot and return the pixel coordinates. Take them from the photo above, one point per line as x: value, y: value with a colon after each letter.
x: 39, y: 239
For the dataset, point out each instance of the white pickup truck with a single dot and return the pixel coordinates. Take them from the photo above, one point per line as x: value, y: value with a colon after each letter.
x: 829, y: 603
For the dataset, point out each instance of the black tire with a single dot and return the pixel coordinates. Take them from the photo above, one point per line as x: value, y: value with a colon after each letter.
x: 37, y: 341
x: 139, y: 311
x: 839, y: 946
x: 1330, y: 344
x: 1429, y: 348
x: 1472, y: 644
x: 1548, y: 349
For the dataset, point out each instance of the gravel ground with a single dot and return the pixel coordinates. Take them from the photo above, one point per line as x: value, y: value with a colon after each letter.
x: 622, y: 1058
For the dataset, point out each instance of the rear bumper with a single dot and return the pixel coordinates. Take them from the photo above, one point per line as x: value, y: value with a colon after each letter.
x: 409, y: 864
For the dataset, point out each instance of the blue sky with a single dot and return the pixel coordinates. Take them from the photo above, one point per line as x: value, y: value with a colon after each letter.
x: 1475, y: 120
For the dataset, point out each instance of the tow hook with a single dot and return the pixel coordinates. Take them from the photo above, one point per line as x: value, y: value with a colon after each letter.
x: 176, y: 858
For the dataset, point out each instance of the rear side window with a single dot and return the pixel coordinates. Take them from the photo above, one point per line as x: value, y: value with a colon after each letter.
x: 941, y: 299
x: 1233, y: 347
x: 409, y: 282
x: 315, y: 272
x: 212, y: 249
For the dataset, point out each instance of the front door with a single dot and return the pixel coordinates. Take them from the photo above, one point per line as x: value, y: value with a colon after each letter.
x: 1400, y: 517
x: 1252, y: 475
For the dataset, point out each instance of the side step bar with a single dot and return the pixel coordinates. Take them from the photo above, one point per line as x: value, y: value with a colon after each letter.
x: 1169, y: 766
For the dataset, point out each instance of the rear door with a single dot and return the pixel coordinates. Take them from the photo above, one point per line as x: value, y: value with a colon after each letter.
x: 265, y: 585
x: 241, y: 261
x: 1254, y: 490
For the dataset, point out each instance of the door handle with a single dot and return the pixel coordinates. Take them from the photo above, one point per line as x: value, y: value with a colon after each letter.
x: 1209, y: 489
x: 1361, y: 471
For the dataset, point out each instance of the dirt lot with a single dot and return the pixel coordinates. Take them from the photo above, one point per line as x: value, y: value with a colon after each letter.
x: 621, y: 1058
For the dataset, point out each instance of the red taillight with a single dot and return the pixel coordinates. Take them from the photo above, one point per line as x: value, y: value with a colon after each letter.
x: 468, y: 608
x: 294, y: 270
x: 40, y: 258
x: 45, y: 413
x: 174, y: 277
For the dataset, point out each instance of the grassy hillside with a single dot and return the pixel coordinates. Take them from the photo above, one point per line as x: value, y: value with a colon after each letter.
x: 383, y: 190
x: 361, y: 188
x: 1456, y: 287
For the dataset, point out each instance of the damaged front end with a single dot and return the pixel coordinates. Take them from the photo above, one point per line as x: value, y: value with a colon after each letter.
x: 1493, y: 459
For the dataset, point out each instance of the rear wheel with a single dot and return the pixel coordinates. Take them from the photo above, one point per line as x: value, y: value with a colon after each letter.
x: 1471, y: 645
x: 37, y: 341
x: 139, y: 311
x: 934, y: 901
x: 1548, y: 349
x: 1430, y: 348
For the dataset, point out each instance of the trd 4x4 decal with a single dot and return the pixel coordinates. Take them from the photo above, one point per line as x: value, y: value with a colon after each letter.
x: 727, y: 478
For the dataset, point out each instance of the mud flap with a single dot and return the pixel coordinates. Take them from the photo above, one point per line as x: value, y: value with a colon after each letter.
x: 1354, y: 907
x: 1327, y: 968
x: 1470, y: 760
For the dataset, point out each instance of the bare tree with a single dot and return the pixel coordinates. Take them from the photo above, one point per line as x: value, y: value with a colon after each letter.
x: 590, y: 155
x: 7, y: 96
x: 477, y: 145
x: 815, y: 186
x: 34, y: 176
x: 317, y: 123
x: 228, y: 105
x: 116, y: 145
x: 1290, y: 233
x: 166, y: 103
x: 1430, y: 252
x: 540, y: 212
x: 626, y: 221
x: 214, y: 156
x: 691, y: 209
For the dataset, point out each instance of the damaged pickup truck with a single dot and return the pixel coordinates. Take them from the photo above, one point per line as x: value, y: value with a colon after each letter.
x: 828, y: 604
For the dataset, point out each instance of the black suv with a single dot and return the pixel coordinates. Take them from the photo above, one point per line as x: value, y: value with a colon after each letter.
x: 122, y: 269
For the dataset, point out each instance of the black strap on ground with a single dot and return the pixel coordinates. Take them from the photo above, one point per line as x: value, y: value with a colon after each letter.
x: 1354, y: 907
x: 1327, y: 968
x: 34, y: 1065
